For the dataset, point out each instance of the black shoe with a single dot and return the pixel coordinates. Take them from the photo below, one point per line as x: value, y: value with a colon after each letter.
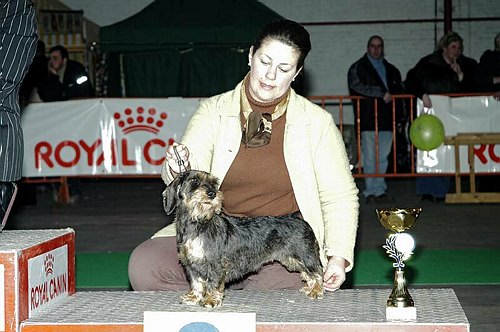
x: 8, y: 192
x: 384, y: 198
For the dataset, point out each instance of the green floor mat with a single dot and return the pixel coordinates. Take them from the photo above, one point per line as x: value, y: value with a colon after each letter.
x: 372, y: 267
x: 102, y: 270
x: 464, y: 266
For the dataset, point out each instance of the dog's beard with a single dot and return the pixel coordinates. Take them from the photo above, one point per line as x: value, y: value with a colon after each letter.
x: 203, y: 207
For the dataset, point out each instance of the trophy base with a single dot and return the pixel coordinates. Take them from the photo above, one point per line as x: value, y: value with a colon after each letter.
x: 403, y: 313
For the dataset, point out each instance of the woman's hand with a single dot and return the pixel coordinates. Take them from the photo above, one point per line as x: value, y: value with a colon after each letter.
x: 51, y: 69
x: 427, y: 100
x: 456, y: 68
x: 387, y: 97
x: 334, y: 275
x: 178, y: 162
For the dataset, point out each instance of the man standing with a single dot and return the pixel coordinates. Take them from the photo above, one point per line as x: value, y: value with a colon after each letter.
x: 377, y: 80
x: 17, y: 47
x: 67, y: 79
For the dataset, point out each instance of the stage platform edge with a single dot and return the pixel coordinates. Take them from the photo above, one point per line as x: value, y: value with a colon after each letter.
x: 37, y: 269
x: 276, y: 310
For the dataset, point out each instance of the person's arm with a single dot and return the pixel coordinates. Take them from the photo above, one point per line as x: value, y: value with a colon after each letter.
x: 339, y: 201
x: 198, y: 140
x: 358, y: 86
x: 413, y: 84
x: 466, y: 71
x: 177, y: 159
x: 335, y: 273
x: 51, y: 89
x: 484, y: 76
x: 75, y: 88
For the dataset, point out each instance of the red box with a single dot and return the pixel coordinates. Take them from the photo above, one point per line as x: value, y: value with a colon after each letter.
x: 37, y: 269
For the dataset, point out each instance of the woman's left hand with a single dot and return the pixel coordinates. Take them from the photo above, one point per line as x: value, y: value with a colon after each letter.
x: 334, y: 275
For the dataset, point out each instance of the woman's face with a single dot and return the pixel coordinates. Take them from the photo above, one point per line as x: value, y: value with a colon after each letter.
x: 272, y: 69
x: 452, y: 51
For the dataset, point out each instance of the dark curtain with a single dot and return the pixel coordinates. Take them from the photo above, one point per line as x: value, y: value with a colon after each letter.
x: 206, y: 72
x: 112, y: 86
x: 196, y: 72
x: 152, y: 74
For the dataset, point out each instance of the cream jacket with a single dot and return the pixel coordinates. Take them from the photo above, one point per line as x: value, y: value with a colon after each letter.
x: 314, y: 154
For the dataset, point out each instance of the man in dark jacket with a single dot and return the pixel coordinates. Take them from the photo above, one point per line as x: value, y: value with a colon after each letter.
x: 67, y: 79
x: 374, y: 78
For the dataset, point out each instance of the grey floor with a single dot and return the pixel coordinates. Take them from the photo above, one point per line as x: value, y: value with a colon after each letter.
x: 117, y: 215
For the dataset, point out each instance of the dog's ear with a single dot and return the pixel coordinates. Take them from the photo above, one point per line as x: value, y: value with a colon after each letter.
x: 170, y: 196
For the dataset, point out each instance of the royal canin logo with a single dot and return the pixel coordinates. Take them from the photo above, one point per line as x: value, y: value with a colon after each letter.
x: 149, y: 121
x: 48, y: 264
x: 118, y: 151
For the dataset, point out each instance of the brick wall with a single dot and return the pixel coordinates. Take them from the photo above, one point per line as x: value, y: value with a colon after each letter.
x: 336, y: 47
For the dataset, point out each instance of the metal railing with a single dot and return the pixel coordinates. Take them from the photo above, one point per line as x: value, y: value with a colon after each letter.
x: 338, y: 105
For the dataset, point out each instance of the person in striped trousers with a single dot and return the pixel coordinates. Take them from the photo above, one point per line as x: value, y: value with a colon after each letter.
x: 18, y: 37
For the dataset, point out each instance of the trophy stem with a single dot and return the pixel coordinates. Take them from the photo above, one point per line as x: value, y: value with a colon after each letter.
x: 400, y: 297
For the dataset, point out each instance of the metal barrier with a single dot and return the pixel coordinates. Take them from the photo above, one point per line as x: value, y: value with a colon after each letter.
x: 338, y: 104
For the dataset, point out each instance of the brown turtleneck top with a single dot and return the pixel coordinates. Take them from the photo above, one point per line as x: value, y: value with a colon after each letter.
x: 258, y: 183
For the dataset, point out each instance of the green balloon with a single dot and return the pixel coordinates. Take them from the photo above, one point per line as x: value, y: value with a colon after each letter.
x: 427, y: 132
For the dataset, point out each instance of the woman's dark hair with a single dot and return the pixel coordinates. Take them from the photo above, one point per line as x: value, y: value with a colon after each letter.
x: 289, y: 33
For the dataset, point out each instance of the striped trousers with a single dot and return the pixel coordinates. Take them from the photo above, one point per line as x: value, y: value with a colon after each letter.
x: 18, y: 37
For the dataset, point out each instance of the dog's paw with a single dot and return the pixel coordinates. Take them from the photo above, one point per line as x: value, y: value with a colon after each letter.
x: 190, y: 299
x: 314, y: 291
x: 313, y: 287
x: 210, y: 303
x: 212, y: 300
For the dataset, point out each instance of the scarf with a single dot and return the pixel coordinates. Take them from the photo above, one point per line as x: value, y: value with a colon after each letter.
x: 379, y: 66
x: 258, y: 126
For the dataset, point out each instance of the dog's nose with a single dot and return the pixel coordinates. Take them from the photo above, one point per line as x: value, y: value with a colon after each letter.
x: 211, y: 194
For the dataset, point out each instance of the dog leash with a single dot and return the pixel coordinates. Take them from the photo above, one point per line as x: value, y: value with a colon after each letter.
x: 180, y: 162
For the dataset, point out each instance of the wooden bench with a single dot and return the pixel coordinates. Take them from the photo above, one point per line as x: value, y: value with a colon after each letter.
x: 470, y: 139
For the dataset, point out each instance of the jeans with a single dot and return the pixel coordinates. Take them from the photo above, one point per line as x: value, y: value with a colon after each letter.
x: 375, y: 186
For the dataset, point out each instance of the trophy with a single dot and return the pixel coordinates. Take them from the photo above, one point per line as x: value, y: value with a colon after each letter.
x: 399, y: 246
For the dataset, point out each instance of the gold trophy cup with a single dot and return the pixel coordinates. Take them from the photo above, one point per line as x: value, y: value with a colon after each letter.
x: 399, y: 245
